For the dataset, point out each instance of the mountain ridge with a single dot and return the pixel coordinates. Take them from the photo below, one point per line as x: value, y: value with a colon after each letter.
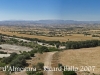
x: 28, y: 22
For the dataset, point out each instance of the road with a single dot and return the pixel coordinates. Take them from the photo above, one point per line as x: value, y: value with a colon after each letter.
x: 48, y: 61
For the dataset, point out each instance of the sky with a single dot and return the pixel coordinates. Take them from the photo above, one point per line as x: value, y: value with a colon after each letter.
x: 80, y: 10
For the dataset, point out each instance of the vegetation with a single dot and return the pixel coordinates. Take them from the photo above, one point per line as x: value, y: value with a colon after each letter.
x: 34, y: 73
x: 66, y: 72
x: 9, y: 59
x: 95, y: 36
x: 0, y: 47
x: 43, y: 49
x: 17, y: 60
x: 2, y: 52
x: 68, y: 44
x: 82, y: 44
x: 40, y: 65
x: 69, y: 73
x: 2, y: 64
x: 29, y: 44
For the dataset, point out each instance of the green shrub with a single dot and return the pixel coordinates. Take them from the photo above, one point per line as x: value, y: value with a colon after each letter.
x: 69, y: 73
x: 40, y: 65
x: 1, y: 52
x: 2, y: 64
x: 7, y: 60
x: 30, y: 72
x: 19, y: 61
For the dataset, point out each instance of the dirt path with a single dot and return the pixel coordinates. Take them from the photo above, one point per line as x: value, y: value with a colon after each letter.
x: 48, y: 63
x: 20, y: 73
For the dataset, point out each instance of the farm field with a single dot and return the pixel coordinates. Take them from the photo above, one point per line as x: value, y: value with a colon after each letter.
x: 81, y: 57
x: 73, y: 37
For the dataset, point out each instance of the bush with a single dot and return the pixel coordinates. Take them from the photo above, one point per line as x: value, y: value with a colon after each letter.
x: 26, y: 55
x: 7, y: 60
x: 52, y: 49
x: 95, y: 36
x: 40, y: 66
x: 43, y: 49
x: 2, y: 64
x: 69, y: 73
x: 1, y: 52
x: 30, y: 72
x: 34, y: 73
x: 82, y: 44
x: 0, y: 47
x: 19, y: 61
x: 31, y: 54
x: 39, y: 73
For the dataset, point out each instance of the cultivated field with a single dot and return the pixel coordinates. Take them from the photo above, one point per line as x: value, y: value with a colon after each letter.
x: 73, y: 37
x: 81, y: 57
x: 53, y: 33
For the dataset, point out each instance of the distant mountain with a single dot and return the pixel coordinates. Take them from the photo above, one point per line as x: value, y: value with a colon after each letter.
x: 66, y: 22
x: 55, y: 21
x: 17, y: 22
x: 46, y: 22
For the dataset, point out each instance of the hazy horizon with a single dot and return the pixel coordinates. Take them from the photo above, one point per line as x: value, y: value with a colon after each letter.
x: 49, y: 20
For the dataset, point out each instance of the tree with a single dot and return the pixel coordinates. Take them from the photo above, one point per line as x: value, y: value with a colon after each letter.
x: 31, y: 53
x: 7, y: 60
x: 57, y: 45
x: 43, y: 49
x: 19, y: 61
x: 26, y: 55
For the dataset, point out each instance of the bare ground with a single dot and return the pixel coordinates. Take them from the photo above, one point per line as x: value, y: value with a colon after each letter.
x: 13, y: 48
x: 2, y: 73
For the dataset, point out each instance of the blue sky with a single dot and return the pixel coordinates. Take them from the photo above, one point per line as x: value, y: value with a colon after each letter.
x: 82, y: 10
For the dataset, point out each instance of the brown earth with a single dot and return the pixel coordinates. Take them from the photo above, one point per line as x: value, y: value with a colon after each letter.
x: 2, y: 73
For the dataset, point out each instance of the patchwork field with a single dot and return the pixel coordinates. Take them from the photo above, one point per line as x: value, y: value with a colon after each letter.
x: 81, y: 57
x: 73, y: 37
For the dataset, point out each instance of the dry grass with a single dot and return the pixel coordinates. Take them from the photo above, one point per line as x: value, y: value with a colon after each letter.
x: 81, y: 57
x: 38, y: 58
x: 94, y: 30
x: 55, y: 62
x: 74, y: 37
